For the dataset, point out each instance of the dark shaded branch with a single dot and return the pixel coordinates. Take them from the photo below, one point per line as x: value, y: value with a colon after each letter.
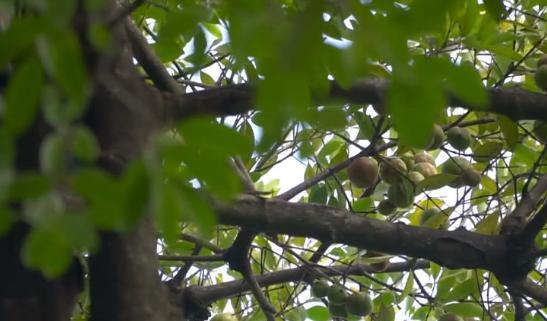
x: 520, y: 309
x: 149, y: 61
x: 210, y: 294
x: 453, y: 249
x: 198, y: 241
x: 515, y: 222
x: 515, y: 103
x: 531, y: 289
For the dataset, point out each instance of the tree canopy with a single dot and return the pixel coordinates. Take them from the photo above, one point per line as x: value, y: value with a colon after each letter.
x: 147, y: 149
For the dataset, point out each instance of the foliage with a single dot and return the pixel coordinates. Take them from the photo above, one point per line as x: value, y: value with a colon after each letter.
x: 290, y: 50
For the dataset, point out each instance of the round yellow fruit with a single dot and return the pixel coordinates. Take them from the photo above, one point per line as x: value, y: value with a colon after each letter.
x: 408, y: 160
x: 415, y: 177
x: 359, y: 303
x: 459, y: 138
x: 391, y: 170
x: 437, y: 137
x: 540, y: 77
x: 363, y: 172
x: 424, y: 157
x: 320, y: 288
x: 426, y: 169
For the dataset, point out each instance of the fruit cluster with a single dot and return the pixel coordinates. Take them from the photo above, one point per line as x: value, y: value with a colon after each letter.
x: 340, y: 302
x: 404, y: 173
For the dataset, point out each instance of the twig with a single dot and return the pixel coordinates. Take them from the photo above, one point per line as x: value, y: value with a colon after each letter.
x: 149, y: 61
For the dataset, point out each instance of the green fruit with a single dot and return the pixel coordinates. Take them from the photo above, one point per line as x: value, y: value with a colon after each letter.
x: 408, y: 160
x: 385, y: 207
x: 450, y: 317
x: 459, y: 138
x: 540, y: 131
x: 427, y: 214
x: 391, y: 170
x: 363, y: 172
x: 424, y: 157
x: 426, y: 169
x: 386, y: 313
x: 471, y: 177
x: 542, y: 60
x: 415, y: 177
x: 402, y: 194
x: 320, y: 288
x: 437, y: 137
x: 359, y: 303
x: 224, y: 317
x: 338, y: 310
x: 456, y: 166
x: 540, y: 77
x: 337, y: 294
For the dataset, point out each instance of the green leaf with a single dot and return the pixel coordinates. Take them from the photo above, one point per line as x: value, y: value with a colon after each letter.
x: 510, y: 131
x: 23, y: 95
x: 20, y: 35
x: 465, y: 310
x: 28, y: 185
x: 495, y: 8
x: 198, y: 210
x: 318, y: 313
x: 461, y: 291
x: 47, y: 250
x: 488, y: 225
x: 466, y: 84
x: 84, y: 144
x: 61, y: 56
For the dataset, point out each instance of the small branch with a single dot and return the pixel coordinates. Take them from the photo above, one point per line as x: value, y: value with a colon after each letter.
x: 210, y: 294
x: 124, y: 12
x: 515, y: 222
x: 531, y: 289
x: 181, y: 274
x: 265, y: 305
x: 200, y: 242
x: 243, y: 174
x: 520, y: 309
x: 149, y: 61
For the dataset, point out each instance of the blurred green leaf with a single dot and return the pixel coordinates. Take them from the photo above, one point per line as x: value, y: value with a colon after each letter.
x: 23, y: 96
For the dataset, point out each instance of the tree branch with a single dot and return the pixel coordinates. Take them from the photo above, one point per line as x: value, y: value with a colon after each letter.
x: 531, y: 289
x: 517, y: 104
x: 210, y: 294
x: 453, y: 249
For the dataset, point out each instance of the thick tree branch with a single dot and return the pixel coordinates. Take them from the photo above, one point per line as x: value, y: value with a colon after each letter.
x: 517, y: 104
x: 453, y: 249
